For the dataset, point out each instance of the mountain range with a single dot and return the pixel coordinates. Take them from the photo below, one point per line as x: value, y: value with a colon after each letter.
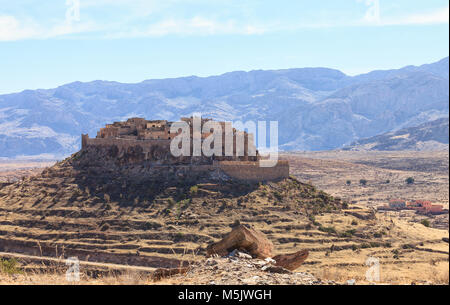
x: 428, y: 136
x: 317, y: 108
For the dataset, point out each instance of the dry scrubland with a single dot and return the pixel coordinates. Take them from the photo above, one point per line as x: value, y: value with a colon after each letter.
x: 11, y: 171
x: 180, y: 223
x: 330, y: 171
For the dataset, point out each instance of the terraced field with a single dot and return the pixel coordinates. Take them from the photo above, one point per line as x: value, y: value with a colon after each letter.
x: 120, y: 221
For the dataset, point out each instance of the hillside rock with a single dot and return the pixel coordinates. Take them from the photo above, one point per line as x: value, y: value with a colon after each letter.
x: 242, y: 238
x: 291, y: 261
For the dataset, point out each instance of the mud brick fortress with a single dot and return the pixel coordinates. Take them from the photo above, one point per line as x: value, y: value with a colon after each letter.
x: 148, y: 142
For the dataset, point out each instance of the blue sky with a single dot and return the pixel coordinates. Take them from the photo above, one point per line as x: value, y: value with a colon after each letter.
x: 44, y: 44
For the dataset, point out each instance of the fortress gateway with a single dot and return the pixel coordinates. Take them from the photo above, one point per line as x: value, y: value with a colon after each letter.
x: 149, y: 142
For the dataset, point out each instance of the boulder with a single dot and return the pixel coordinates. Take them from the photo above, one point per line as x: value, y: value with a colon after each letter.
x: 245, y: 239
x: 291, y: 261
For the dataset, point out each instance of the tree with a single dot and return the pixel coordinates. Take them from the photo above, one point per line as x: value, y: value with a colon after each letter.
x: 410, y: 180
x: 348, y: 182
x: 363, y: 182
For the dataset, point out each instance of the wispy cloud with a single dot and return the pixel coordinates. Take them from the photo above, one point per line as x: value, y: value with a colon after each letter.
x: 440, y: 16
x: 373, y: 17
x: 152, y: 18
x: 12, y: 29
x: 192, y: 26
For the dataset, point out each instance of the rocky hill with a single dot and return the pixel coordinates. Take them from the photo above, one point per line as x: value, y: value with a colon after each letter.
x: 428, y: 136
x: 115, y: 216
x: 119, y: 213
x: 317, y: 108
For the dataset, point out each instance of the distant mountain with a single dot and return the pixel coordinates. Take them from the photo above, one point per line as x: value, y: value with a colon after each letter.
x: 428, y: 136
x: 317, y: 108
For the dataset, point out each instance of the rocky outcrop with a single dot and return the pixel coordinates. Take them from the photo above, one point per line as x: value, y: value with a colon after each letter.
x: 243, y: 238
x: 291, y: 261
x: 236, y: 270
x: 254, y: 242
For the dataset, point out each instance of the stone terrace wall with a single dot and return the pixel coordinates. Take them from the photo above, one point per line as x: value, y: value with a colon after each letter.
x: 251, y: 171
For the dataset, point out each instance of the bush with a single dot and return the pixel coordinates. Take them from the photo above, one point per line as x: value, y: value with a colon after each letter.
x: 354, y: 223
x: 348, y: 182
x: 410, y: 180
x: 329, y: 230
x: 193, y: 190
x: 9, y: 266
x: 388, y: 181
x: 313, y: 220
x: 426, y: 223
x: 379, y: 234
x: 104, y: 227
x: 363, y: 182
x: 348, y: 233
x: 278, y: 196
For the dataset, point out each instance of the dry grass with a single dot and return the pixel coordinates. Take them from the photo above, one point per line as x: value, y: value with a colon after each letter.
x: 42, y: 278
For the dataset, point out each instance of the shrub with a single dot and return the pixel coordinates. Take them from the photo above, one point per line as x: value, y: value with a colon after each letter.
x: 104, y: 227
x: 313, y: 220
x: 328, y: 230
x: 410, y: 180
x: 278, y: 196
x: 9, y: 266
x: 193, y: 190
x: 348, y: 182
x: 388, y: 181
x: 348, y: 233
x: 354, y: 223
x: 363, y: 182
x: 426, y: 223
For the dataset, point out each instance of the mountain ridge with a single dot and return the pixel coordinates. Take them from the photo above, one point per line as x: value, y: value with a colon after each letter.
x: 317, y: 108
x: 428, y: 136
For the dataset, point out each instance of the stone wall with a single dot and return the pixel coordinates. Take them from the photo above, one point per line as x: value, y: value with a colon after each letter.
x: 218, y: 170
x: 125, y: 143
x: 251, y: 171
